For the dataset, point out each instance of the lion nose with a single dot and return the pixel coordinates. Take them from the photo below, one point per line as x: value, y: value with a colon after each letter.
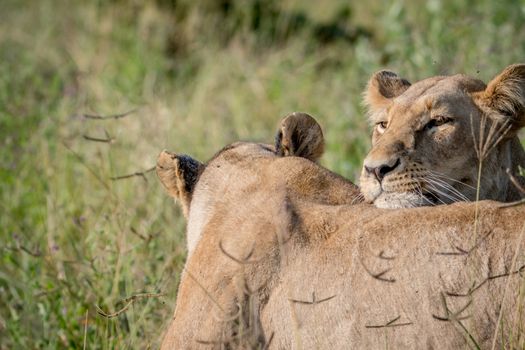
x: 381, y: 170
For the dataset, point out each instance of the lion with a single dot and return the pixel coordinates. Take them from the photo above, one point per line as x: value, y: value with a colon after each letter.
x: 285, y: 256
x: 442, y: 139
x: 299, y: 135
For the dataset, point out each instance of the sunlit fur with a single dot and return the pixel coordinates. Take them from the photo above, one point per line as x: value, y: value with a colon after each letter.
x: 438, y: 132
x: 284, y: 260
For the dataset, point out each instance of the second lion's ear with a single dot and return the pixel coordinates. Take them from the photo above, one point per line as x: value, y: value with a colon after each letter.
x: 382, y: 87
x: 179, y: 175
x: 505, y: 97
x: 300, y: 135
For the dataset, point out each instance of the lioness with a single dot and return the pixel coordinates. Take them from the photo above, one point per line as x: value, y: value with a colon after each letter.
x: 299, y: 135
x: 431, y: 137
x: 282, y: 259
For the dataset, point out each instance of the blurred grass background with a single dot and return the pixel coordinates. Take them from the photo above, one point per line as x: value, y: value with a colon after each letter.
x: 198, y: 75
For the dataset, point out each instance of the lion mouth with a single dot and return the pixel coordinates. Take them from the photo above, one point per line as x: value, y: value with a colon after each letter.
x: 407, y: 195
x: 408, y: 199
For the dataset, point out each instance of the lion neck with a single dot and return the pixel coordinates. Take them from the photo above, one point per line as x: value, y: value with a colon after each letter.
x: 495, y: 183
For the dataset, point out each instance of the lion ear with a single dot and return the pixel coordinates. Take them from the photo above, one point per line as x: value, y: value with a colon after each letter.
x: 382, y: 87
x: 505, y: 95
x: 300, y: 135
x: 179, y: 174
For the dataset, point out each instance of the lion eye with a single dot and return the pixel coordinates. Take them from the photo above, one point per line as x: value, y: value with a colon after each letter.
x: 437, y: 121
x: 381, y: 127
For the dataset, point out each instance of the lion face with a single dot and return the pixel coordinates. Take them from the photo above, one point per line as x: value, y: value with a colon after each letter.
x: 430, y: 138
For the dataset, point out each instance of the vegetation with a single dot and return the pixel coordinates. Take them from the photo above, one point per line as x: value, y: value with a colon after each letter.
x: 195, y: 75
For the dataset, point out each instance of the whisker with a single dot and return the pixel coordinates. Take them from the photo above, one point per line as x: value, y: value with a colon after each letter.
x: 420, y: 192
x: 452, y: 196
x: 424, y: 180
x: 358, y: 199
x: 449, y: 187
x: 446, y: 177
x: 421, y: 196
x: 441, y: 181
x: 444, y: 194
x: 452, y: 190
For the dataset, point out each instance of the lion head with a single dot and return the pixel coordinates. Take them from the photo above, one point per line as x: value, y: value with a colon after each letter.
x: 443, y: 139
x: 245, y: 167
x: 234, y: 203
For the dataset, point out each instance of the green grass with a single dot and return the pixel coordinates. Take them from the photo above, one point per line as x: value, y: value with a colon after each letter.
x: 199, y: 77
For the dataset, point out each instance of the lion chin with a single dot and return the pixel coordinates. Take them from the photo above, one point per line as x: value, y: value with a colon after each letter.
x: 398, y: 200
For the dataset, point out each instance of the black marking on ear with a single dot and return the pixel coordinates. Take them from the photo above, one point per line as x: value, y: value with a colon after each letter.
x: 191, y: 170
x: 267, y: 148
x: 296, y: 140
x: 299, y: 135
x: 279, y: 148
x: 390, y: 84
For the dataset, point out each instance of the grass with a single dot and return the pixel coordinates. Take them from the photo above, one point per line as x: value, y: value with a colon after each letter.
x: 198, y: 76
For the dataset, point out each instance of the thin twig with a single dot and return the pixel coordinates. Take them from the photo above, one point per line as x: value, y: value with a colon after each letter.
x: 519, y: 187
x: 204, y: 290
x: 513, y: 264
x: 461, y: 251
x: 97, y: 139
x: 314, y: 300
x: 471, y: 337
x: 94, y: 173
x: 269, y: 342
x: 226, y: 342
x: 391, y: 323
x: 512, y: 204
x: 147, y: 237
x: 129, y: 301
x: 454, y: 317
x: 36, y: 253
x: 243, y: 261
x: 385, y: 257
x: 451, y: 253
x: 232, y: 317
x: 447, y: 319
x: 379, y: 275
x: 114, y: 116
x: 451, y: 316
x: 515, y: 181
x: 223, y: 343
x: 137, y: 173
x: 489, y: 278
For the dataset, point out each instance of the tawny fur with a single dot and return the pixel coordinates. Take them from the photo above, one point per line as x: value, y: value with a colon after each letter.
x: 300, y: 135
x: 286, y: 260
x: 446, y: 127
